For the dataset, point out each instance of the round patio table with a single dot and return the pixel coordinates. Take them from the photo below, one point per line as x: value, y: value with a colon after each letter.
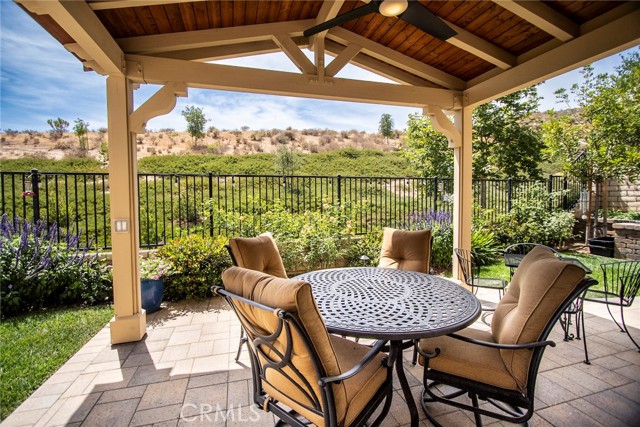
x: 389, y: 304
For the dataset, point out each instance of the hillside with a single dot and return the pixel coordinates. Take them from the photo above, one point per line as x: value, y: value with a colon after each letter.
x: 15, y: 145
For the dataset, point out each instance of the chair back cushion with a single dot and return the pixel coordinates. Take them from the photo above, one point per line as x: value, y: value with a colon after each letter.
x: 539, y: 287
x: 406, y: 250
x: 297, y: 382
x: 258, y: 253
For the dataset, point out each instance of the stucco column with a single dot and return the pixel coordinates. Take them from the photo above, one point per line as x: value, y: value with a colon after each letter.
x: 129, y: 322
x: 462, y: 187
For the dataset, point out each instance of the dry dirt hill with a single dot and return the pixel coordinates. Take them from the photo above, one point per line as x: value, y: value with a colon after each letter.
x: 14, y: 144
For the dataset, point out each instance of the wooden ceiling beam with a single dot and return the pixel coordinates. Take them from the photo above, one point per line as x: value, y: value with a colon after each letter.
x: 397, y: 59
x: 606, y: 40
x: 543, y: 17
x: 119, y: 4
x: 377, y: 67
x: 82, y: 24
x: 342, y: 59
x: 214, y: 37
x: 154, y: 70
x: 293, y: 52
x: 481, y: 48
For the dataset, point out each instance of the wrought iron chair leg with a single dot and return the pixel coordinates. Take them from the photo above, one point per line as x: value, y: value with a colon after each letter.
x: 476, y: 415
x: 613, y: 318
x: 243, y: 340
x: 627, y: 329
x: 584, y: 336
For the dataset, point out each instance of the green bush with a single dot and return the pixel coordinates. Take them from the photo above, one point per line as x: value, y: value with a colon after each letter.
x: 368, y: 245
x: 197, y: 263
x: 36, y: 271
x: 531, y: 220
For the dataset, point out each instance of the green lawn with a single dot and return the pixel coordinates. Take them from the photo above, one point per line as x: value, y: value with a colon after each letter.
x: 34, y: 346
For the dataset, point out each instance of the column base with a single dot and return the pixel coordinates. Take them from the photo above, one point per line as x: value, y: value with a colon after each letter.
x: 129, y: 328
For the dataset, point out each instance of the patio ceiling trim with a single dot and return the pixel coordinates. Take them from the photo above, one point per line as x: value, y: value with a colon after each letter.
x: 119, y: 4
x: 82, y: 24
x: 597, y: 44
x: 397, y: 59
x: 215, y: 37
x: 147, y: 69
x: 543, y: 17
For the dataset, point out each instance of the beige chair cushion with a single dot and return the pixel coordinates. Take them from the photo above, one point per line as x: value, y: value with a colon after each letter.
x: 406, y: 250
x: 478, y: 363
x: 336, y: 354
x: 540, y: 285
x: 258, y: 253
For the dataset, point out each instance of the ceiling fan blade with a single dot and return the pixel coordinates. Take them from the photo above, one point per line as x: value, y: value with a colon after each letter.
x: 341, y: 19
x: 420, y: 17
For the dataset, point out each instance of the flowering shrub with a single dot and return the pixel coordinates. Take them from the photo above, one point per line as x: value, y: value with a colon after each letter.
x: 36, y: 271
x: 154, y: 268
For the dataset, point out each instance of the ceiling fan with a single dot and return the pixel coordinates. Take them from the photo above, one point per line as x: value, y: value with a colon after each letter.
x: 412, y: 12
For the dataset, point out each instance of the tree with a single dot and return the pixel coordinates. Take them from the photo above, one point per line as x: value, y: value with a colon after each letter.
x: 286, y: 161
x: 195, y: 121
x: 386, y: 126
x: 506, y: 141
x: 506, y: 138
x: 58, y: 128
x: 601, y: 139
x: 81, y: 129
x: 427, y: 149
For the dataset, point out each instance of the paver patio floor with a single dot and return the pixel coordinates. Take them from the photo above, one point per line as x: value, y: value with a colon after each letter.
x: 183, y: 373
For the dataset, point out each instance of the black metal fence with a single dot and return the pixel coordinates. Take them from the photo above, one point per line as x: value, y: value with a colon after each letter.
x: 172, y: 205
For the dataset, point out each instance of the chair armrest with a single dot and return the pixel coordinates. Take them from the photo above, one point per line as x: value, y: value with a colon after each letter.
x: 503, y: 346
x: 377, y: 347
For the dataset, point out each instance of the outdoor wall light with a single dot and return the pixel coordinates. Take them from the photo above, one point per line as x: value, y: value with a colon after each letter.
x: 393, y: 7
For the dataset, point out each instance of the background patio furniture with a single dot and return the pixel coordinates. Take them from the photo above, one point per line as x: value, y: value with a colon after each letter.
x: 621, y: 284
x: 391, y: 304
x: 523, y: 319
x: 256, y: 253
x: 298, y: 368
x: 471, y: 270
x: 406, y: 250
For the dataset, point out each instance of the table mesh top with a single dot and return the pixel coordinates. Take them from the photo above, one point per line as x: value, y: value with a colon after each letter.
x: 390, y: 304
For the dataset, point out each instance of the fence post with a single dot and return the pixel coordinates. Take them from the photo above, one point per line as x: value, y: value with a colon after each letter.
x: 339, y: 190
x: 565, y: 195
x: 550, y: 190
x: 36, y: 195
x: 435, y: 194
x: 210, y: 204
x: 509, y: 194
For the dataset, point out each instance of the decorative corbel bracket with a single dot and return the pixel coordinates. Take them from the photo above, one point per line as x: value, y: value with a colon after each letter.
x: 162, y: 102
x: 441, y: 123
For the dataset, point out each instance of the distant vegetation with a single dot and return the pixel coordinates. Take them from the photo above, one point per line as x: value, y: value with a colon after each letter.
x: 71, y: 164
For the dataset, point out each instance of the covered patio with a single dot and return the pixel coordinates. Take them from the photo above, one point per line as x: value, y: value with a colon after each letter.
x: 183, y: 373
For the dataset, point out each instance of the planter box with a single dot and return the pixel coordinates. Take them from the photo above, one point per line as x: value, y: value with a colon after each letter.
x: 603, y: 246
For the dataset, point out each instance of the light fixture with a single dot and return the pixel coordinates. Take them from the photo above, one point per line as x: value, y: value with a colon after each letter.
x: 393, y: 7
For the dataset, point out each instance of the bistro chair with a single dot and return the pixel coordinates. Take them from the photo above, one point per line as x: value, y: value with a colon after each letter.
x: 513, y: 255
x: 256, y: 253
x: 501, y: 365
x: 621, y: 284
x: 471, y: 271
x: 406, y: 250
x: 301, y: 373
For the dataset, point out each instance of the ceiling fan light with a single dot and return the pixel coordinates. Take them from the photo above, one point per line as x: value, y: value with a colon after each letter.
x: 393, y: 7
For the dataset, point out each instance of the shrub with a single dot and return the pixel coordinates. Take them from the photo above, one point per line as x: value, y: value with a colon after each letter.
x: 36, y: 271
x: 197, y: 263
x: 531, y: 220
x: 368, y: 245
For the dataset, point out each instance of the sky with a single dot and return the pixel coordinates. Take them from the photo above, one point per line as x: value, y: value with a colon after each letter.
x: 41, y: 80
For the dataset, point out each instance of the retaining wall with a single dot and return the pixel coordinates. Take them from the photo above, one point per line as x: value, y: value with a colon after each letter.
x: 624, y: 196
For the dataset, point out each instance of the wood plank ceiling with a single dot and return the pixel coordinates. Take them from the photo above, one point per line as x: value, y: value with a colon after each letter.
x: 486, y: 20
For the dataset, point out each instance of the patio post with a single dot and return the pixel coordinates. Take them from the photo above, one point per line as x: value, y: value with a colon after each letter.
x: 462, y: 187
x: 129, y: 321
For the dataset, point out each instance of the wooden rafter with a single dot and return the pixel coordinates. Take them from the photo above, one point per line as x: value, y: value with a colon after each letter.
x: 119, y: 4
x: 293, y: 52
x: 543, y: 17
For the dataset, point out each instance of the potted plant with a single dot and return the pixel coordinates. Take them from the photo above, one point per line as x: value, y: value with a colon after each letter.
x: 152, y: 270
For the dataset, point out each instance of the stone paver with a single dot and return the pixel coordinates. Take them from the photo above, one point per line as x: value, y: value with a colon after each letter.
x: 183, y: 373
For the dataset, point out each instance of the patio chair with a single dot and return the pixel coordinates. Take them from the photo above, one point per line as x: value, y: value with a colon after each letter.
x: 301, y: 373
x: 513, y: 254
x: 256, y: 253
x: 406, y: 250
x: 621, y: 284
x: 471, y: 271
x: 501, y: 365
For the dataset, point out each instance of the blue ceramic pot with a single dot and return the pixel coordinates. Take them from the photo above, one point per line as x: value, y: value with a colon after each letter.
x: 151, y: 291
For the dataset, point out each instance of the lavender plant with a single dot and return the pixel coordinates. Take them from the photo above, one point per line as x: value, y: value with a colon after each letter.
x: 40, y: 267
